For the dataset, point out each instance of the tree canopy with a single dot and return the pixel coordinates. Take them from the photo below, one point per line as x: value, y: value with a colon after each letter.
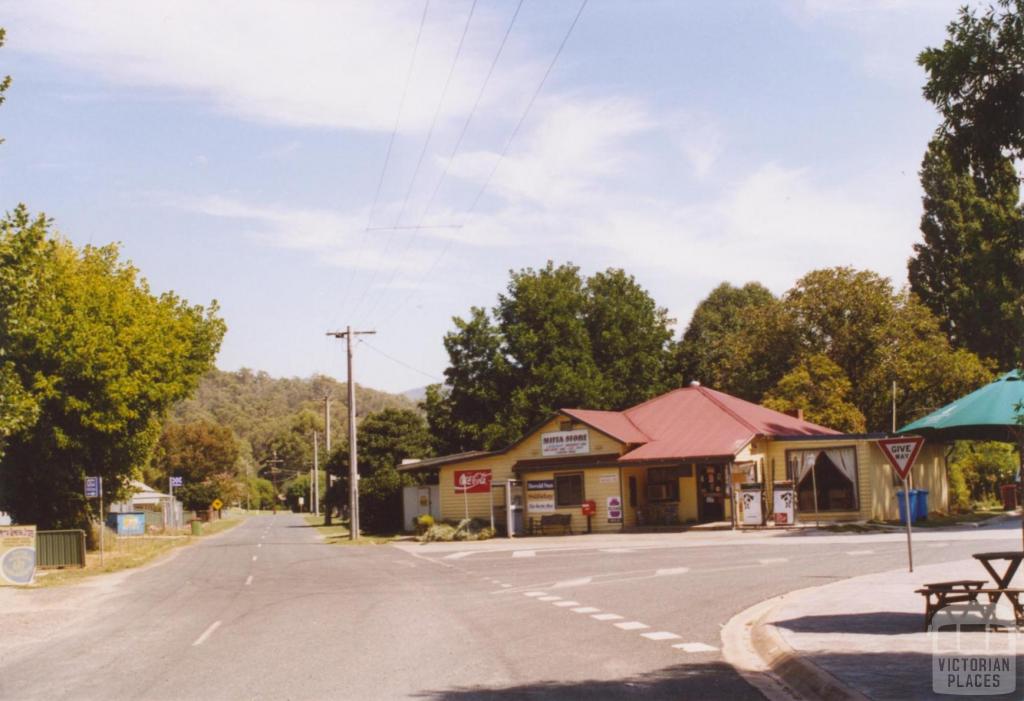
x: 99, y: 360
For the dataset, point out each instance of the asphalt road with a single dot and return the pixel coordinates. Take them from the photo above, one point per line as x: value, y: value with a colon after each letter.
x: 268, y: 611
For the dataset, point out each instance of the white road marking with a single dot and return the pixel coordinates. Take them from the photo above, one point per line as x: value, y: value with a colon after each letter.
x: 248, y: 580
x: 259, y: 545
x: 566, y: 604
x: 773, y: 560
x: 572, y: 582
x: 616, y: 550
x: 694, y: 647
x: 860, y: 552
x: 524, y: 553
x: 672, y: 570
x: 255, y: 558
x: 585, y: 609
x: 631, y: 625
x: 506, y: 586
x: 206, y: 633
x: 534, y: 593
x: 458, y: 556
x: 661, y: 635
x: 607, y: 617
x: 549, y: 598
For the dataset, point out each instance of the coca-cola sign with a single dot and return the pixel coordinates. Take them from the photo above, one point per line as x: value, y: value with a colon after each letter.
x: 472, y: 481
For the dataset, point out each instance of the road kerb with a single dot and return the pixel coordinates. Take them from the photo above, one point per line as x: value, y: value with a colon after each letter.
x: 759, y: 654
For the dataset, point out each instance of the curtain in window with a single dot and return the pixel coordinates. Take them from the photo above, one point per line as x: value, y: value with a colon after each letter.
x: 845, y: 459
x: 805, y: 462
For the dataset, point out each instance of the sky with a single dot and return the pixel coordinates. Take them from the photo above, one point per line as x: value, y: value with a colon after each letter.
x: 384, y: 165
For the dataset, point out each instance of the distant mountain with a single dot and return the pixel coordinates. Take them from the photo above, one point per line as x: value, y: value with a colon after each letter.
x: 415, y: 395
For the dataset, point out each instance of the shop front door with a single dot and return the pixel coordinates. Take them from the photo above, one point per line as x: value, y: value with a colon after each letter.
x: 711, y: 492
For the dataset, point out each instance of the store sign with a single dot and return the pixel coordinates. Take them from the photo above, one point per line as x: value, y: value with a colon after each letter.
x: 17, y: 554
x: 565, y: 442
x: 608, y: 479
x: 472, y: 481
x: 540, y: 496
x: 614, y: 509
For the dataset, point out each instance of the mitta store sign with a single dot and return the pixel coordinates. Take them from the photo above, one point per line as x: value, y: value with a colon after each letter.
x: 472, y: 481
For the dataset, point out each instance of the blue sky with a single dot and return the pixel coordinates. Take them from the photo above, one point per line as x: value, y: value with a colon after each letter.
x: 235, y: 150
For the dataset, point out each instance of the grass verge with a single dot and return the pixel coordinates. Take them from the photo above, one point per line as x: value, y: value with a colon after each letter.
x: 338, y: 533
x: 129, y: 553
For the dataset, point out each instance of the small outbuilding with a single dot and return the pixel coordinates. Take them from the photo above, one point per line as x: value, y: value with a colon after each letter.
x: 675, y: 460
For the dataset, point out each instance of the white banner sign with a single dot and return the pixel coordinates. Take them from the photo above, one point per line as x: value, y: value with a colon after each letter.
x: 565, y: 442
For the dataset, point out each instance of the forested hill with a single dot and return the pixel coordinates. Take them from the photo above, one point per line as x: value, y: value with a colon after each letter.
x: 263, y: 410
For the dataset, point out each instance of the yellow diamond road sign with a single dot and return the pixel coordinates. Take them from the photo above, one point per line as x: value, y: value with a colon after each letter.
x: 217, y: 503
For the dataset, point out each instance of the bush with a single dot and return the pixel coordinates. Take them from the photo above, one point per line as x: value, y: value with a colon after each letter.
x: 422, y: 523
x: 466, y: 529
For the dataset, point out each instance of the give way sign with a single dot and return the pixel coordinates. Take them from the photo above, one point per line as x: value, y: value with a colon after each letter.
x: 901, y: 453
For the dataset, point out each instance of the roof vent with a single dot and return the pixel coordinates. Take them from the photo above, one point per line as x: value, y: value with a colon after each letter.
x: 694, y: 383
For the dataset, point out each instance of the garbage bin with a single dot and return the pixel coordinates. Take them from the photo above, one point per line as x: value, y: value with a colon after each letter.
x: 920, y: 504
x: 903, y: 505
x: 1008, y: 492
x: 197, y: 528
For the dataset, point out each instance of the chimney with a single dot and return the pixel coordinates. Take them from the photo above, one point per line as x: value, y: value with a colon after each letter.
x: 797, y: 414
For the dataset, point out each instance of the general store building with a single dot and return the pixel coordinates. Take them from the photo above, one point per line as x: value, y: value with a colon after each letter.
x: 674, y: 461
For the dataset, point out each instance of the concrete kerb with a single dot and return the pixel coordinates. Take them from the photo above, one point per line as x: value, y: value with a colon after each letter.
x: 762, y: 657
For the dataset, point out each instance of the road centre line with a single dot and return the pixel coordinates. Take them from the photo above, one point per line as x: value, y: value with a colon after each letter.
x: 773, y: 560
x: 566, y: 604
x: 459, y: 555
x: 860, y: 552
x: 585, y: 609
x: 695, y: 647
x: 550, y: 598
x: 606, y: 617
x: 255, y: 558
x: 248, y: 580
x: 524, y: 553
x: 661, y: 635
x: 535, y: 593
x: 671, y: 570
x: 259, y: 545
x: 572, y: 582
x: 631, y: 625
x: 206, y: 633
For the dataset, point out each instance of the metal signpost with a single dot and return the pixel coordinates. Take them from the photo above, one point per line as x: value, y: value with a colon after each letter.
x: 174, y: 482
x: 94, y: 489
x: 901, y: 454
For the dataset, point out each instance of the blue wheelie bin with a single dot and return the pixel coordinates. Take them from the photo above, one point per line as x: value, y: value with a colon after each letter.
x: 920, y: 504
x: 903, y: 505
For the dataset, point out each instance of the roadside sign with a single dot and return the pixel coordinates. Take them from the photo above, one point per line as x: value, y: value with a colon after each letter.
x: 177, y: 481
x: 92, y: 487
x: 17, y: 554
x: 901, y: 453
x: 217, y: 503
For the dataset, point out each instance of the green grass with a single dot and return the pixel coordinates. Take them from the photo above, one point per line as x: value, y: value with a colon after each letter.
x: 338, y: 533
x: 129, y: 553
x: 939, y: 520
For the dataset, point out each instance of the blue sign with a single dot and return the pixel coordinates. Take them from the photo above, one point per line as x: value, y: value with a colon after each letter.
x: 176, y: 481
x: 92, y: 487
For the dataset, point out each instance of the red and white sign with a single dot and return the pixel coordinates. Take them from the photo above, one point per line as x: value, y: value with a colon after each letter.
x: 901, y: 453
x: 472, y: 481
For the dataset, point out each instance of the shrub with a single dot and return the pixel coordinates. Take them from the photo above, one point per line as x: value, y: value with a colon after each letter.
x: 422, y: 523
x: 466, y: 529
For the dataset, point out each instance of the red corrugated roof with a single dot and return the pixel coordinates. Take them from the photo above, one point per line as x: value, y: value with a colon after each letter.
x: 694, y: 422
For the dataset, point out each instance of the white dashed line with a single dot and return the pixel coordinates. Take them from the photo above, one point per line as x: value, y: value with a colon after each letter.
x: 672, y: 570
x: 572, y: 583
x: 549, y: 598
x: 607, y: 617
x: 534, y: 593
x: 206, y: 633
x: 566, y: 604
x: 631, y: 625
x: 506, y: 586
x: 585, y: 609
x: 259, y: 545
x: 694, y: 647
x: 524, y: 553
x: 616, y: 550
x: 661, y: 635
x: 458, y: 556
x: 248, y: 580
x: 773, y: 560
x: 255, y: 558
x: 861, y: 552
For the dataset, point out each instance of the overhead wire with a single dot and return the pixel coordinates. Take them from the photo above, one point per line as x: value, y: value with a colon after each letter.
x: 387, y: 155
x: 400, y: 362
x: 522, y: 119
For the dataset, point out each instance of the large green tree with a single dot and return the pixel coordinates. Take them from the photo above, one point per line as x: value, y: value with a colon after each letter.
x: 5, y: 82
x: 102, y: 359
x: 556, y: 339
x: 195, y: 451
x: 820, y: 389
x: 976, y: 81
x: 969, y: 269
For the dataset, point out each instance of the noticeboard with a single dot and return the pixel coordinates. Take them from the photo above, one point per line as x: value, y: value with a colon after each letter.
x: 17, y: 554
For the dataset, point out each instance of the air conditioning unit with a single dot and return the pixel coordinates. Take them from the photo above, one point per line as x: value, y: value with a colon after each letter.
x: 657, y: 492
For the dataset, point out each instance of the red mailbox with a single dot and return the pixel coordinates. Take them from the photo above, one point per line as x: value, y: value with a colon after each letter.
x: 589, y: 507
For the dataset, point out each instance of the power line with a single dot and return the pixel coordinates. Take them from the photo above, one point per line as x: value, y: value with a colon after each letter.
x: 400, y: 362
x: 515, y: 131
x: 387, y: 154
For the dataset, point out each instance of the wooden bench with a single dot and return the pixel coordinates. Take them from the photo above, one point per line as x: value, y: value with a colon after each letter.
x: 961, y: 596
x: 548, y: 520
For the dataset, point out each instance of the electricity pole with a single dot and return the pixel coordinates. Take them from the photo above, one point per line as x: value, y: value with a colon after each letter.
x: 314, y: 487
x: 274, y: 462
x: 353, y: 467
x: 327, y: 446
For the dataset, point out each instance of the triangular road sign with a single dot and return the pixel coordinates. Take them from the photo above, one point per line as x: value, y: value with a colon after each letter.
x: 901, y: 452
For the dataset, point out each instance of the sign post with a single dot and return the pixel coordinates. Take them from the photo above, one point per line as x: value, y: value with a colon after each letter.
x: 174, y: 482
x: 93, y: 490
x: 901, y: 454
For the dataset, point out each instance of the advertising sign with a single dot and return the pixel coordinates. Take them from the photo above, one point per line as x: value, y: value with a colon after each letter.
x: 472, y: 481
x: 565, y: 442
x: 540, y: 496
x: 750, y: 504
x: 614, y: 509
x: 92, y: 487
x: 17, y: 554
x: 782, y: 503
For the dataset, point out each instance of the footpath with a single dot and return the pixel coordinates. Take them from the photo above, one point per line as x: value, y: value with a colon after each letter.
x: 857, y: 638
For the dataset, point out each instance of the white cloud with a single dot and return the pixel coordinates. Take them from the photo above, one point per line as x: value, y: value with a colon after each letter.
x: 299, y: 63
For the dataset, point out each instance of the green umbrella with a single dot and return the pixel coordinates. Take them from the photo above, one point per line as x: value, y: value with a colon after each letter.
x: 986, y: 414
x: 992, y: 413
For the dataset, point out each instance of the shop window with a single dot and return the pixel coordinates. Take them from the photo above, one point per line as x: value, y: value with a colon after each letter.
x: 829, y: 472
x: 568, y: 490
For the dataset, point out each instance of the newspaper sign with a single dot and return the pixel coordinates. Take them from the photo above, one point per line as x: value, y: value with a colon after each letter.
x: 540, y: 496
x: 17, y: 554
x: 565, y: 442
x: 901, y: 453
x: 92, y: 487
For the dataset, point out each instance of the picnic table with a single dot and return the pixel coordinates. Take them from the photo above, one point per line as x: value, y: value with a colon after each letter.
x: 1013, y: 559
x: 940, y: 595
